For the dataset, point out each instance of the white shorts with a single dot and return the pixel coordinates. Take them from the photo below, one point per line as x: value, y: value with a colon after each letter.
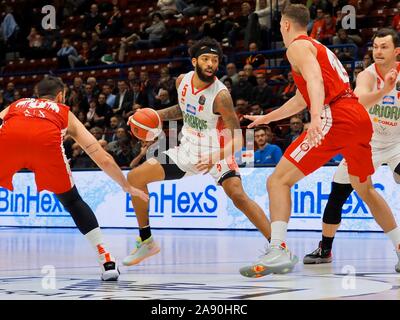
x: 187, y: 163
x: 389, y: 155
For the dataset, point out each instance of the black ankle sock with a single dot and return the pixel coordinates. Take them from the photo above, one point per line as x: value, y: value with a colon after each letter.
x: 145, y: 233
x: 326, y: 243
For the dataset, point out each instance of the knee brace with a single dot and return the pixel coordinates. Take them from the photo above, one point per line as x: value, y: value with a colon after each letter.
x: 337, y: 198
x: 80, y: 212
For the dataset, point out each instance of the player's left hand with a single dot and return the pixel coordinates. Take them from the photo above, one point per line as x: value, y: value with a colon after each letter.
x: 134, y: 192
x: 207, y: 161
x: 314, y: 132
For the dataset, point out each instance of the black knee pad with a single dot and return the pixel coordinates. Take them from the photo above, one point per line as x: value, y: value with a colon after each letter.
x: 337, y: 198
x: 79, y: 210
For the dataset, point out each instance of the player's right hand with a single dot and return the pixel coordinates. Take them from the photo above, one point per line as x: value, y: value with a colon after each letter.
x: 257, y: 120
x: 134, y: 192
x: 391, y: 79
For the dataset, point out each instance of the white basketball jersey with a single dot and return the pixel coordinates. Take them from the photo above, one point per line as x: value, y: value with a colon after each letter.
x: 385, y: 115
x: 201, y: 131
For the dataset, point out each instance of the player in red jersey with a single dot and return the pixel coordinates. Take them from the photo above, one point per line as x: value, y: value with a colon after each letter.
x: 339, y: 124
x: 32, y: 132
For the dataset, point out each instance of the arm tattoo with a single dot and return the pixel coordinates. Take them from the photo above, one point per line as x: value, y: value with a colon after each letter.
x: 223, y: 105
x: 171, y: 113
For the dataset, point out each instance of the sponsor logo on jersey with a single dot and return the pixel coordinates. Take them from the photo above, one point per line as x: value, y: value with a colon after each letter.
x: 194, y: 122
x: 304, y: 146
x: 191, y: 109
x: 386, y: 112
x: 388, y: 100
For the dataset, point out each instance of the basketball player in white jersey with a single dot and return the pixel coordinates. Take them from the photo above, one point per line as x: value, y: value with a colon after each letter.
x: 206, y: 108
x: 378, y: 89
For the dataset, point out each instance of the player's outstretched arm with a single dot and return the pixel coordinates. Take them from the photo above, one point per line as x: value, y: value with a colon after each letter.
x: 104, y: 160
x: 174, y: 112
x: 293, y: 106
x: 367, y: 96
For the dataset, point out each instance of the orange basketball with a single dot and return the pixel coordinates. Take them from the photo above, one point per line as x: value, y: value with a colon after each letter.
x: 145, y: 124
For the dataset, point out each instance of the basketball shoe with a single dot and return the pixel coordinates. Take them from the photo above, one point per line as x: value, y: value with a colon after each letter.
x: 277, y: 259
x: 318, y: 256
x: 109, y: 267
x: 143, y: 250
x: 398, y: 263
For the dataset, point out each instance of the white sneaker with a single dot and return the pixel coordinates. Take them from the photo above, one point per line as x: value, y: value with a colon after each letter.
x: 397, y: 267
x: 109, y: 267
x: 143, y: 250
x: 277, y: 259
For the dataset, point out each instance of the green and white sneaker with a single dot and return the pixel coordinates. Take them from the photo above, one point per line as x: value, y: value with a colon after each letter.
x: 143, y: 250
x: 277, y: 259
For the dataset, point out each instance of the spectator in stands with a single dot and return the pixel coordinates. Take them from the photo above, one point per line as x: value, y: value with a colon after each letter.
x: 289, y: 90
x: 267, y: 153
x: 97, y: 132
x: 110, y: 98
x: 318, y: 26
x: 97, y: 50
x: 256, y: 110
x: 241, y: 109
x: 357, y: 70
x: 35, y: 44
x: 93, y: 82
x: 139, y: 97
x: 10, y: 30
x: 123, y: 154
x: 333, y: 6
x: 65, y: 52
x: 103, y: 111
x: 8, y: 95
x: 367, y: 60
x: 262, y: 94
x: 120, y: 133
x: 116, y: 121
x: 80, y: 59
x: 167, y: 8
x: 139, y: 152
x: 154, y: 34
x: 166, y: 82
x: 51, y: 41
x: 228, y: 84
x: 163, y: 100
x: 223, y: 27
x: 249, y: 70
x: 93, y: 19
x: 146, y: 87
x: 242, y: 90
x: 135, y: 107
x: 256, y: 60
x: 123, y: 99
x: 353, y: 34
x: 346, y: 53
x: 17, y: 95
x: 209, y: 27
x: 313, y: 7
x: 189, y: 8
x: 239, y: 26
x: 114, y: 25
x: 231, y: 72
x: 131, y: 76
x: 329, y: 30
x: 396, y: 19
x: 296, y: 128
x: 80, y: 159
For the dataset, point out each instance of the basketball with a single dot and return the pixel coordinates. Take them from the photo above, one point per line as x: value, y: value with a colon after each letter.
x: 145, y: 124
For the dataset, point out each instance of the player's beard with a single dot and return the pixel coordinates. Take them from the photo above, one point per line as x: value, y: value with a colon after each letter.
x: 202, y: 76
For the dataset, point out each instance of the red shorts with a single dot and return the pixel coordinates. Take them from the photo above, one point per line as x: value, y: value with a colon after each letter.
x: 34, y: 144
x: 348, y: 131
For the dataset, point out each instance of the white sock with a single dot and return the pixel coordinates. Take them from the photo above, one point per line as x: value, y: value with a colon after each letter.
x: 394, y: 235
x: 278, y: 232
x: 95, y: 238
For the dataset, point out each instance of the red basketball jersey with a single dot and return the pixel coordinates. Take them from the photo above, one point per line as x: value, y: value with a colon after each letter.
x: 335, y: 77
x: 56, y: 113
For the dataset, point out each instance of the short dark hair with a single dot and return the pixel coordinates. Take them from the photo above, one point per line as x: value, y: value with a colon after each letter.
x: 388, y: 32
x: 50, y: 86
x: 298, y: 13
x: 206, y: 42
x: 264, y: 128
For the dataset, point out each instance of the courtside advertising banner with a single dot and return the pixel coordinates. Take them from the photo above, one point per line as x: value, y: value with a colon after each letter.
x: 192, y: 202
